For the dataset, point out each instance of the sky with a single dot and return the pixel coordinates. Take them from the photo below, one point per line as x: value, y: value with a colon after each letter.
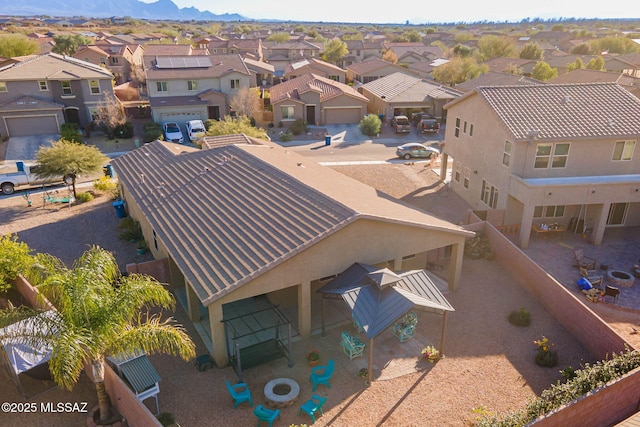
x: 417, y: 12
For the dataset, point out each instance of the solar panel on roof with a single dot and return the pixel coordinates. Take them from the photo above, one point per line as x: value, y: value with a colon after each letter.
x: 183, y: 62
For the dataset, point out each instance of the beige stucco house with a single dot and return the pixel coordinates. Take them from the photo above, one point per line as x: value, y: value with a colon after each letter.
x: 247, y: 218
x: 562, y: 154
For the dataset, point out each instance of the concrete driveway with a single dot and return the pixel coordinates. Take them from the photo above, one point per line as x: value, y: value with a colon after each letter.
x: 25, y: 147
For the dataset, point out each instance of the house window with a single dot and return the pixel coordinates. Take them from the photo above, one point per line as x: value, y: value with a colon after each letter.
x: 94, y: 87
x: 335, y: 78
x: 3, y: 87
x: 114, y: 59
x: 103, y: 60
x: 43, y: 85
x: 464, y: 127
x: 623, y: 150
x: 471, y: 129
x: 467, y: 177
x: 235, y: 83
x: 288, y: 113
x: 549, y: 211
x: 161, y: 86
x: 551, y: 155
x: 457, y: 133
x: 192, y: 85
x: 93, y: 112
x: 66, y: 88
x: 489, y: 194
x: 506, y: 156
x: 458, y: 172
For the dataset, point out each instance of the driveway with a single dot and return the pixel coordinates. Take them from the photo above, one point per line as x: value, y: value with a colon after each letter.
x: 25, y: 147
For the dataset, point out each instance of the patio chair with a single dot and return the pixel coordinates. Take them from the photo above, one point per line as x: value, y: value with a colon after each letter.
x: 611, y: 291
x: 595, y: 279
x: 583, y: 261
x: 322, y: 374
x: 240, y: 393
x: 406, y: 328
x: 312, y: 406
x: 265, y: 414
x: 351, y: 345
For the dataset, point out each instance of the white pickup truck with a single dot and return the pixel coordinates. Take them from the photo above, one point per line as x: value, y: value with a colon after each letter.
x: 24, y: 177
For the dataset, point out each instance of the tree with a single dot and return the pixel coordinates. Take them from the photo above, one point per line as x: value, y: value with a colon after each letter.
x: 370, y: 125
x: 596, y: 63
x: 64, y: 158
x: 581, y: 49
x: 614, y: 44
x: 246, y: 102
x: 390, y: 56
x: 68, y: 45
x: 334, y: 51
x: 15, y: 257
x: 279, y: 37
x: 531, y: 51
x: 462, y: 50
x: 99, y: 313
x: 110, y: 113
x: 412, y: 36
x: 12, y: 45
x: 459, y: 70
x: 543, y: 71
x: 230, y: 126
x: 495, y: 47
x: 575, y: 65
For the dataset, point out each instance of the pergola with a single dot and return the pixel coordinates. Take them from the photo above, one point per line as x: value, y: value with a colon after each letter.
x: 378, y: 297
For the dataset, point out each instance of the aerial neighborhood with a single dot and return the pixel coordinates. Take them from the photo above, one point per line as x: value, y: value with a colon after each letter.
x: 529, y: 129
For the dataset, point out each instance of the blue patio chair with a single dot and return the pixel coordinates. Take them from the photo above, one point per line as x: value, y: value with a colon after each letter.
x: 240, y: 393
x: 322, y: 374
x: 312, y: 406
x: 265, y: 414
x: 352, y: 346
x: 406, y: 328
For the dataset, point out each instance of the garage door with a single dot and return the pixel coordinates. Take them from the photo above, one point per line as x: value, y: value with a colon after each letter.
x: 342, y: 115
x: 34, y: 125
x: 180, y: 118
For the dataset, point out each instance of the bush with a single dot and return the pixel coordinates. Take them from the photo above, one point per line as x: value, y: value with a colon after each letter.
x: 69, y: 127
x: 286, y: 136
x: 298, y: 127
x: 520, y: 317
x: 130, y: 229
x: 545, y: 356
x: 15, y: 258
x: 70, y: 132
x: 124, y: 130
x: 106, y: 185
x: 152, y: 131
x: 166, y: 419
x: 84, y: 197
x: 370, y: 125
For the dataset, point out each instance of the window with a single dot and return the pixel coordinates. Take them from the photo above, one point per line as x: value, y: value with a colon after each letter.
x: 335, y: 78
x: 489, y: 194
x: 103, y: 60
x: 464, y: 127
x: 94, y: 87
x: 457, y: 127
x: 43, y: 85
x: 551, y: 155
x: 288, y: 113
x: 506, y: 156
x: 471, y: 129
x: 235, y: 83
x: 549, y: 211
x: 458, y: 172
x: 623, y: 150
x: 467, y: 176
x: 66, y: 88
x: 93, y: 112
x: 192, y: 85
x: 3, y: 87
x: 161, y: 86
x: 114, y: 59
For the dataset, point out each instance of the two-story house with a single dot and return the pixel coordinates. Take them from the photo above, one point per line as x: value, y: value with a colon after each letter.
x: 183, y: 88
x: 281, y: 54
x: 317, y: 67
x: 560, y: 154
x: 361, y: 50
x: 39, y: 94
x: 117, y: 58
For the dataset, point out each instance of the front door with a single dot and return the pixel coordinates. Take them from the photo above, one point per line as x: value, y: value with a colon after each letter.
x: 311, y: 114
x: 214, y: 112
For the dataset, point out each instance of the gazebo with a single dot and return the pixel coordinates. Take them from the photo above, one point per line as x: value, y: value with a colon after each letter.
x: 378, y: 297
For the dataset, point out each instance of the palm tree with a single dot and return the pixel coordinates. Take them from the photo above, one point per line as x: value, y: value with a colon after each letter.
x: 101, y: 313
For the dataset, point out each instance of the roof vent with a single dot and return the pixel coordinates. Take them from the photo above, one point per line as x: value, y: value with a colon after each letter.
x: 566, y: 99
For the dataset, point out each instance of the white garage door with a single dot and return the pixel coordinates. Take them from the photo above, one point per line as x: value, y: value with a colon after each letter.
x: 39, y: 125
x: 342, y: 115
x: 180, y: 118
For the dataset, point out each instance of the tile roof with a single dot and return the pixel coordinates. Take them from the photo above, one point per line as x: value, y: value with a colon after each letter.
x: 231, y: 213
x: 291, y: 89
x: 371, y: 65
x: 55, y: 67
x: 493, y: 78
x: 211, y: 67
x: 401, y: 87
x: 564, y: 111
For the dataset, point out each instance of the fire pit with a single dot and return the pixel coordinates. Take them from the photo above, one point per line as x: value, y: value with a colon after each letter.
x: 620, y: 278
x: 281, y: 392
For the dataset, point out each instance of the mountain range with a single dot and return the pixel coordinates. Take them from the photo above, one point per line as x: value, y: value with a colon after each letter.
x: 159, y: 10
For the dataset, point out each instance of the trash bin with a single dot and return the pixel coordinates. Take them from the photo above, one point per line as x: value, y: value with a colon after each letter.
x: 118, y: 205
x: 108, y: 171
x: 327, y: 140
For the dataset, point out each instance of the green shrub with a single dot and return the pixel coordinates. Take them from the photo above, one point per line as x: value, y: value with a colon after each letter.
x: 152, y: 131
x: 69, y: 132
x: 130, y: 229
x: 124, y: 131
x: 166, y: 419
x: 84, y: 197
x: 15, y: 258
x: 107, y: 185
x: 520, y: 317
x: 286, y: 136
x: 370, y: 125
x: 69, y: 127
x: 298, y: 127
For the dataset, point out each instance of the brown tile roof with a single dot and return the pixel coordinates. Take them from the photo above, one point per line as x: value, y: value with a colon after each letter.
x: 493, y: 78
x: 369, y: 66
x: 167, y: 49
x: 232, y: 213
x: 53, y: 66
x: 221, y: 65
x: 311, y: 82
x: 564, y: 111
x: 401, y: 87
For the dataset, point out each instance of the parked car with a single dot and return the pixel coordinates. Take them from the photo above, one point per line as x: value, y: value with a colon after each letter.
x: 401, y: 124
x: 417, y: 150
x: 195, y: 130
x: 172, y: 132
x: 417, y: 117
x: 428, y: 126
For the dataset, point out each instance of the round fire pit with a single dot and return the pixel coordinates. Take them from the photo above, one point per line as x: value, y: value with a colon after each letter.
x: 281, y: 392
x: 620, y: 278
